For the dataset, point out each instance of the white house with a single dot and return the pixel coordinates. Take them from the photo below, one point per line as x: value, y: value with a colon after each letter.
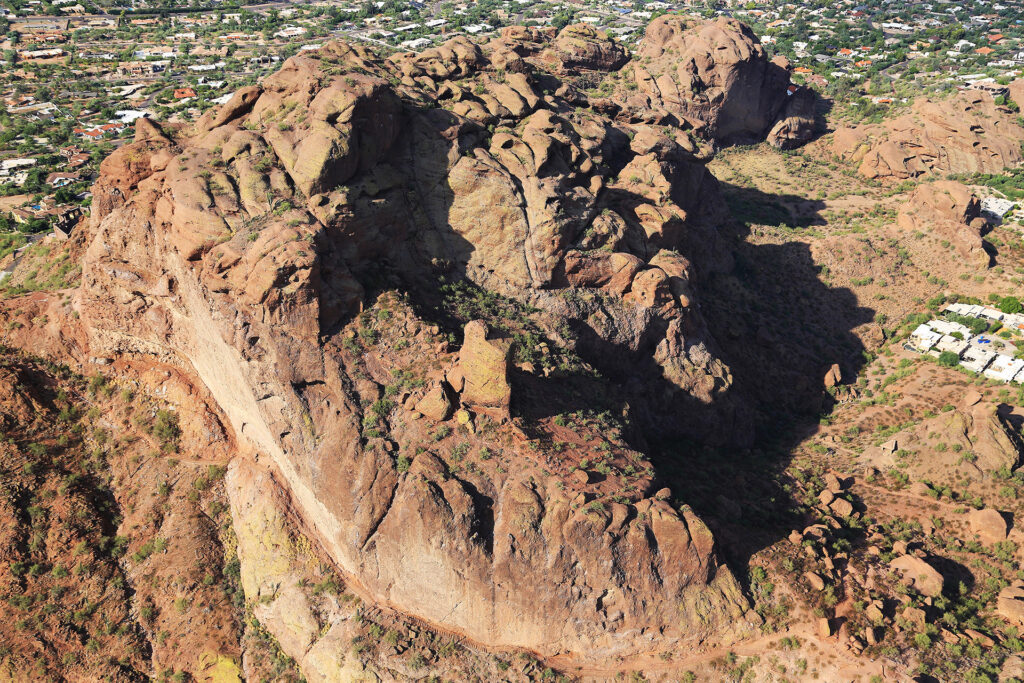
x: 946, y: 327
x: 996, y: 208
x: 1004, y: 368
x: 415, y: 44
x: 924, y: 338
x: 977, y: 359
x: 951, y: 344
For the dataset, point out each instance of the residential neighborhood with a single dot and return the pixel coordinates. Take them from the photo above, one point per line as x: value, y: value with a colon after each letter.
x: 981, y: 339
x: 76, y: 75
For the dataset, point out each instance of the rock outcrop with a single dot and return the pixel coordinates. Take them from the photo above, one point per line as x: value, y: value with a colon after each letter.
x: 968, y: 133
x: 581, y: 46
x: 483, y: 365
x: 920, y: 574
x: 1010, y: 603
x: 248, y: 252
x: 949, y: 210
x: 711, y: 77
x: 796, y: 124
x: 988, y: 525
x: 716, y: 77
x: 975, y: 426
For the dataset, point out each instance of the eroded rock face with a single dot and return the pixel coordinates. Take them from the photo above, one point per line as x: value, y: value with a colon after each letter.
x: 483, y: 364
x: 796, y: 124
x: 712, y: 77
x: 716, y: 77
x: 951, y: 211
x: 968, y: 133
x: 238, y: 251
x: 581, y: 46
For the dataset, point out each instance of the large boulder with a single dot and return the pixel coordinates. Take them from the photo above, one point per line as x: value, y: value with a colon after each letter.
x: 1010, y: 603
x: 796, y: 124
x: 582, y: 46
x: 920, y: 574
x: 613, y: 271
x: 484, y: 365
x: 988, y: 524
x: 436, y: 403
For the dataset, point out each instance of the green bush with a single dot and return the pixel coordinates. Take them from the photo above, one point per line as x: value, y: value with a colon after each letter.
x: 1010, y: 304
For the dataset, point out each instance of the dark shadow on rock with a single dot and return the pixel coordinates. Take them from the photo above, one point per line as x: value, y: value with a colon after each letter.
x: 750, y: 206
x: 822, y: 108
x: 772, y: 321
x: 779, y: 328
x: 953, y: 574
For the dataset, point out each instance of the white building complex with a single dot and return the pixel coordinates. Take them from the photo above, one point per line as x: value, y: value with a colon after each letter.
x: 974, y: 351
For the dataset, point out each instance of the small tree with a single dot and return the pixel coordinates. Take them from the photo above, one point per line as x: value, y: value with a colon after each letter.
x: 949, y: 359
x: 1010, y: 304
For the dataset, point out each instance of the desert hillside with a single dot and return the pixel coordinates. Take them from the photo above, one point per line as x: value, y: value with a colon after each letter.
x: 526, y: 358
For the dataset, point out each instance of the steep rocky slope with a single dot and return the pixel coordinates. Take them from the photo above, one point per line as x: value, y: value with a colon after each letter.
x: 112, y: 551
x: 255, y: 252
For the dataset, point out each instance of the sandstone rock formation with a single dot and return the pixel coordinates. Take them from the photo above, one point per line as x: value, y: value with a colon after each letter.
x: 949, y: 210
x: 796, y: 123
x: 988, y: 525
x: 716, y: 77
x: 968, y: 133
x: 1010, y: 603
x: 483, y: 364
x: 1016, y: 91
x: 245, y: 252
x: 712, y: 77
x: 581, y: 46
x: 920, y: 574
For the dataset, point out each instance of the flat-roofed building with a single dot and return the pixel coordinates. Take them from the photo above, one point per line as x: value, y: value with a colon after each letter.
x: 948, y: 327
x: 923, y: 338
x: 1004, y: 368
x: 977, y: 359
x: 951, y: 344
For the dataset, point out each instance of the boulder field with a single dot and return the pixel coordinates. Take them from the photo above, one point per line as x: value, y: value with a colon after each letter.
x: 284, y: 252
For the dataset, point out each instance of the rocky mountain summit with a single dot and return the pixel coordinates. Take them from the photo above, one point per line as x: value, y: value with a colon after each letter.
x: 286, y: 253
x: 716, y: 78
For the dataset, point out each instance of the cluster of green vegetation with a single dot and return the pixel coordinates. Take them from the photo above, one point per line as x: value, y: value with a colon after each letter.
x: 39, y: 271
x: 462, y: 301
x: 1010, y: 182
x: 9, y: 243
